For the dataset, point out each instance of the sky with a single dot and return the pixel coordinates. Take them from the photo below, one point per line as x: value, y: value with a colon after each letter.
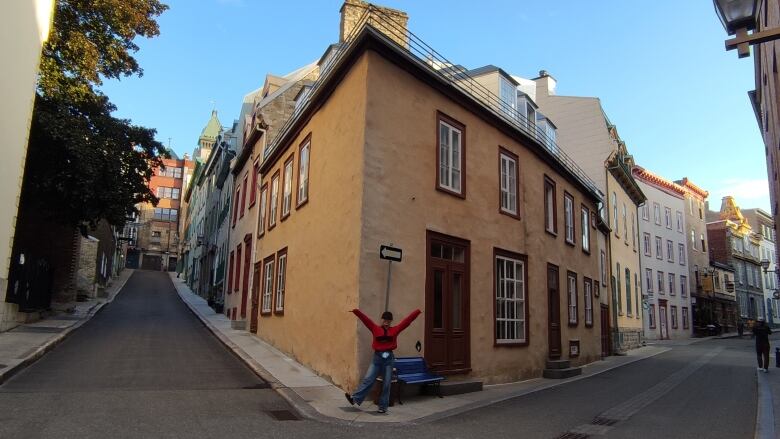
x: 677, y: 97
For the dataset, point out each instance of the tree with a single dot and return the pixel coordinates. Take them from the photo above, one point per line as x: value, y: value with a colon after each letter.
x: 83, y: 164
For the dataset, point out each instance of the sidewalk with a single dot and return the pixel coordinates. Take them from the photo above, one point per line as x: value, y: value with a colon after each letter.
x: 26, y: 343
x: 319, y: 399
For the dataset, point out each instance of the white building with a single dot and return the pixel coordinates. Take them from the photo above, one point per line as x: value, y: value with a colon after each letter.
x: 764, y: 226
x: 664, y: 258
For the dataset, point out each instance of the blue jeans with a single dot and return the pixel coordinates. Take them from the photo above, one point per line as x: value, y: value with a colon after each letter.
x: 378, y: 365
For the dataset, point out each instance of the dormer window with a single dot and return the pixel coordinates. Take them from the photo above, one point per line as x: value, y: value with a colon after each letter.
x: 302, y: 96
x: 527, y: 108
x: 546, y: 131
x: 508, y: 93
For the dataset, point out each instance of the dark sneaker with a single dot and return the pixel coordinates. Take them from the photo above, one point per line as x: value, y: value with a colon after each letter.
x: 349, y: 398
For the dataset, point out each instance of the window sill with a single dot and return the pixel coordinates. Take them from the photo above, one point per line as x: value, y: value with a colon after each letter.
x: 509, y: 214
x: 551, y: 233
x: 285, y: 216
x: 265, y: 313
x: 586, y: 251
x: 571, y: 243
x: 302, y: 203
x: 279, y: 312
x: 514, y: 344
x: 574, y: 325
x: 460, y: 195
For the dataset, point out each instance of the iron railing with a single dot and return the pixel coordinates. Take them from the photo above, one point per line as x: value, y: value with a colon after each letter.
x: 449, y: 72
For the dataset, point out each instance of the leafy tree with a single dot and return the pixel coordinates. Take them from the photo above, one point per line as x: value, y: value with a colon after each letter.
x: 83, y: 164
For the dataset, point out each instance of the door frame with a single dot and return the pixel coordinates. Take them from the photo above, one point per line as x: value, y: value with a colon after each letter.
x: 430, y: 262
x: 663, y: 319
x: 605, y: 330
x: 255, y: 308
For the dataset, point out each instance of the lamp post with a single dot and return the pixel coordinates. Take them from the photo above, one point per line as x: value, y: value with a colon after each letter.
x: 738, y: 17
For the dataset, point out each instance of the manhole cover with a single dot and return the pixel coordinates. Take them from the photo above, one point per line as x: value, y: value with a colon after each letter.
x: 283, y: 415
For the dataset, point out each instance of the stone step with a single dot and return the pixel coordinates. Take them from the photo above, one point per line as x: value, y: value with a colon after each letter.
x: 238, y: 324
x: 558, y: 374
x: 558, y: 364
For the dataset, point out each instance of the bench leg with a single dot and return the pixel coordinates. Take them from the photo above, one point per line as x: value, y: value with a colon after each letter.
x: 400, y: 391
x: 438, y: 388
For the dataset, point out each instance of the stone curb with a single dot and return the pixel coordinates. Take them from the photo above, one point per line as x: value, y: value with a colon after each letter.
x: 51, y: 344
x: 765, y: 419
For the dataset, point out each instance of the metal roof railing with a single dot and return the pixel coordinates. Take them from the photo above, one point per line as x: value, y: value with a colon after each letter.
x: 451, y: 73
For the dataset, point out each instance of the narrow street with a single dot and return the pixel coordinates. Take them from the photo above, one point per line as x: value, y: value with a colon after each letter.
x: 146, y: 367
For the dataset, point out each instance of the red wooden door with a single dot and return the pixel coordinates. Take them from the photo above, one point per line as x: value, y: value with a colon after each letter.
x: 447, y: 339
x: 245, y: 280
x: 553, y: 312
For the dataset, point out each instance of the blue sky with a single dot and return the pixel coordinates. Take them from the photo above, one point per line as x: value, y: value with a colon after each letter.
x: 678, y: 98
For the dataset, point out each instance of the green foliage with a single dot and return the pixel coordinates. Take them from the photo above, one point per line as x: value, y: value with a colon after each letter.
x: 83, y: 164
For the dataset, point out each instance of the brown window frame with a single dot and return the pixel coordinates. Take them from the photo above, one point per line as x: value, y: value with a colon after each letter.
x: 274, y: 305
x: 441, y: 117
x: 271, y: 257
x: 298, y: 202
x: 291, y: 161
x: 571, y: 274
x: 236, y: 200
x: 520, y: 257
x: 587, y: 281
x: 243, y: 197
x: 510, y: 155
x: 253, y: 193
x: 550, y: 183
x: 237, y: 277
x: 573, y: 241
x: 260, y: 217
x: 270, y: 200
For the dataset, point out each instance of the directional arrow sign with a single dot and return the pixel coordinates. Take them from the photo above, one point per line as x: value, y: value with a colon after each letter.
x: 390, y: 253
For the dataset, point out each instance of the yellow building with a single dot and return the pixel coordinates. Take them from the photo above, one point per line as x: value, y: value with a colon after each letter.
x: 25, y: 29
x: 497, y: 231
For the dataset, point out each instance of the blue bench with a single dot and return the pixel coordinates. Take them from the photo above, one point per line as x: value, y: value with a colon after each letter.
x: 413, y: 370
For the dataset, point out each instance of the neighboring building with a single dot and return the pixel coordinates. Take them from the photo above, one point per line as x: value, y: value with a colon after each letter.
x: 717, y: 302
x: 763, y: 224
x: 698, y: 249
x: 156, y: 228
x: 26, y: 28
x: 384, y: 149
x: 664, y: 257
x: 733, y: 242
x: 765, y: 99
x: 273, y: 106
x: 587, y: 135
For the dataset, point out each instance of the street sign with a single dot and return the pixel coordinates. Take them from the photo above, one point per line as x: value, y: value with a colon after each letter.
x: 390, y: 253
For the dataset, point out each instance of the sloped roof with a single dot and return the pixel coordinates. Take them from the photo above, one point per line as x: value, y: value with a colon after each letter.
x: 212, y: 128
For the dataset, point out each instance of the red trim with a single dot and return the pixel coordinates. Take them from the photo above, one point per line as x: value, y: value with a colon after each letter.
x: 524, y: 259
x: 658, y: 181
x: 243, y: 196
x: 510, y: 155
x: 230, y: 274
x: 299, y: 203
x: 441, y: 117
x: 253, y: 194
x: 247, y: 269
x: 273, y: 284
x: 238, y: 268
x: 235, y: 204
x: 291, y: 161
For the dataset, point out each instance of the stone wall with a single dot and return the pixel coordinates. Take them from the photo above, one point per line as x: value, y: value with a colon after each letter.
x: 85, y: 274
x: 352, y: 11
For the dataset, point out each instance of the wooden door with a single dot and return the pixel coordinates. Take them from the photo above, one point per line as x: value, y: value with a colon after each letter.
x: 245, y: 280
x: 447, y: 304
x: 604, y: 330
x: 662, y: 325
x: 255, y: 299
x: 553, y: 312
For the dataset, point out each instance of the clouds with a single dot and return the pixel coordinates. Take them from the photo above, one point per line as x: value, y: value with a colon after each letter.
x: 748, y: 193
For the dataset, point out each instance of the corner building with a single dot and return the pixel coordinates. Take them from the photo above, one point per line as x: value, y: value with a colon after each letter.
x: 383, y: 150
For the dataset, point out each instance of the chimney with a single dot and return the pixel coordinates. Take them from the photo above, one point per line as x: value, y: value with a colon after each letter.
x: 545, y: 84
x: 391, y: 22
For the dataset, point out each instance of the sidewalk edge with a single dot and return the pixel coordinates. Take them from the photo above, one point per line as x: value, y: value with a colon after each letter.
x: 51, y: 344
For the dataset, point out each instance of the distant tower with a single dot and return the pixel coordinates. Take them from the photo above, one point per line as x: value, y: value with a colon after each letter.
x: 207, y: 138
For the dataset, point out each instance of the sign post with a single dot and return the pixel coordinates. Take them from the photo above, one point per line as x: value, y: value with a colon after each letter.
x: 391, y: 254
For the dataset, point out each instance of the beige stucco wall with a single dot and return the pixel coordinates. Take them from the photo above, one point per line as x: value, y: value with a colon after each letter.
x: 624, y: 249
x: 322, y: 238
x: 25, y: 28
x: 401, y: 203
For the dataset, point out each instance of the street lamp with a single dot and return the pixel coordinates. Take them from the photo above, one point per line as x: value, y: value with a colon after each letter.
x: 739, y: 16
x: 765, y: 265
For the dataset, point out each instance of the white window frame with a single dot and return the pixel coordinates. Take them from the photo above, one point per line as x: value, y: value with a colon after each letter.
x: 679, y: 222
x: 263, y: 201
x: 669, y: 250
x: 659, y: 248
x: 588, y: 302
x: 303, y: 173
x: 649, y: 280
x: 681, y: 251
x: 657, y: 213
x: 508, y: 94
x: 268, y: 284
x: 672, y: 284
x: 585, y: 219
x: 274, y: 200
x: 646, y: 212
x: 287, y: 188
x: 568, y: 217
x: 516, y: 305
x: 661, y: 280
x: 449, y: 173
x: 571, y: 288
x: 683, y: 285
x: 668, y: 217
x: 646, y: 240
x: 281, y: 282
x: 508, y: 183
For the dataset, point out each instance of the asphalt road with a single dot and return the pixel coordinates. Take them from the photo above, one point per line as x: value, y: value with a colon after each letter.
x: 145, y: 367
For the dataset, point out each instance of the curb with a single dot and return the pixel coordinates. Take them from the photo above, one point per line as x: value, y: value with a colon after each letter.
x: 300, y: 405
x: 481, y: 404
x: 51, y: 344
x: 765, y: 418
